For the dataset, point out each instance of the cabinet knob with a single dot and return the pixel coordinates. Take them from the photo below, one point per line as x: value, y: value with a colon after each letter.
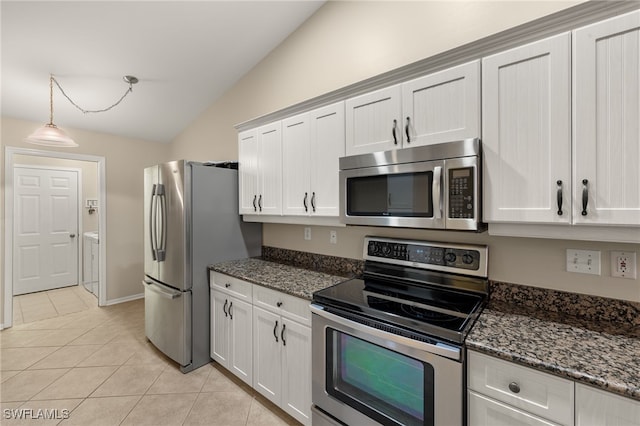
x: 227, y: 285
x: 279, y: 304
x: 514, y: 387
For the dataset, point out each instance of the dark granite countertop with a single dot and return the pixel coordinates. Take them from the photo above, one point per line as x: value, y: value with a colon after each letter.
x: 288, y: 279
x: 597, y: 353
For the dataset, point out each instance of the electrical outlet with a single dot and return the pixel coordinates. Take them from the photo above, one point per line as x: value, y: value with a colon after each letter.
x: 307, y: 233
x: 583, y: 261
x: 623, y: 264
x: 333, y: 237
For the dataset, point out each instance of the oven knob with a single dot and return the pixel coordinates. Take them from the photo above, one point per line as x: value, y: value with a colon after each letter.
x: 386, y: 250
x: 374, y: 248
x: 467, y: 259
x: 450, y: 257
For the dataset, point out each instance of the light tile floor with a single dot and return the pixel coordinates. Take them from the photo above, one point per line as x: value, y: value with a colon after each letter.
x: 95, y: 367
x: 50, y: 304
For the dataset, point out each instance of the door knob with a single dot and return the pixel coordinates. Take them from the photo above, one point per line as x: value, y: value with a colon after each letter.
x: 72, y: 235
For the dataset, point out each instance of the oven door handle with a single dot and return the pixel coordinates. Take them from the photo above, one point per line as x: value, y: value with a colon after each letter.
x: 436, y: 191
x: 442, y: 349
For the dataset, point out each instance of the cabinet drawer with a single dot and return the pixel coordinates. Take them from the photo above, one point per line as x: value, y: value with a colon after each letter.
x: 485, y: 411
x: 538, y: 393
x: 231, y: 285
x: 283, y: 304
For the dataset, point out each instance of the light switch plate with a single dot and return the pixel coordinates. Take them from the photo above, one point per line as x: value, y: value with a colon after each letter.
x: 623, y: 264
x: 583, y: 261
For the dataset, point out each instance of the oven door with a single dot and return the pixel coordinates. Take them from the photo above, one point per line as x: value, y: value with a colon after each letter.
x: 363, y: 375
x: 405, y: 195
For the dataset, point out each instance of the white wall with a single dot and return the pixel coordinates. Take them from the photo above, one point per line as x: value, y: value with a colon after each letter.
x: 125, y: 162
x: 346, y: 42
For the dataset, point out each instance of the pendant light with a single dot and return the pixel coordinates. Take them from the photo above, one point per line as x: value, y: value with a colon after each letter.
x: 52, y: 135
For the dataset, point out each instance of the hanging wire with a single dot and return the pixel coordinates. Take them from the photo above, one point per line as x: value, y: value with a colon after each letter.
x: 86, y: 111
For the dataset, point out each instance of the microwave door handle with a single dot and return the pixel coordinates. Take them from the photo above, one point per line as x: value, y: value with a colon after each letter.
x: 436, y: 192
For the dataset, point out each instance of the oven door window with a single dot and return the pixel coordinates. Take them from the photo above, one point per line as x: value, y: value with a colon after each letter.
x: 401, y: 194
x: 387, y: 386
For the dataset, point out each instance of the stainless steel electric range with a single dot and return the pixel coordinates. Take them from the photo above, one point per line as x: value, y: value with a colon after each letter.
x: 388, y: 347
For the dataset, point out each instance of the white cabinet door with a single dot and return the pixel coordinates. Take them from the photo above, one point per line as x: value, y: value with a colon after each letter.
x: 240, y: 339
x: 373, y: 121
x: 219, y: 328
x: 606, y: 122
x: 597, y: 408
x: 327, y: 146
x: 267, y: 367
x: 296, y: 158
x: 296, y: 369
x: 442, y: 107
x: 526, y: 138
x: 270, y: 168
x: 485, y: 411
x: 248, y: 171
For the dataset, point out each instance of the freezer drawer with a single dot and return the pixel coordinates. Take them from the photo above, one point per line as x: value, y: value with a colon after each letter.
x: 167, y: 320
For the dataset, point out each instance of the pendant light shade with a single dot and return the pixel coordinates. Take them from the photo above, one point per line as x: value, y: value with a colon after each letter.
x: 51, y: 135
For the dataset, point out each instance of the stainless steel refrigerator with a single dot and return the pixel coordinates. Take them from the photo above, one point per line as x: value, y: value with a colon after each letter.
x: 191, y: 221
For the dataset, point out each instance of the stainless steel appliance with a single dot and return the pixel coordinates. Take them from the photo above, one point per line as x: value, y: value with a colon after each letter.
x: 434, y: 186
x: 191, y: 221
x: 388, y: 348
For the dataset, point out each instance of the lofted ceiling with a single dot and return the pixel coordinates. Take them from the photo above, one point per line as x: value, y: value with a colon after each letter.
x: 186, y: 54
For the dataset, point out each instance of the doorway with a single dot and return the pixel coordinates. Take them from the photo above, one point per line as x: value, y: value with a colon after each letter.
x: 13, y: 156
x: 46, y: 225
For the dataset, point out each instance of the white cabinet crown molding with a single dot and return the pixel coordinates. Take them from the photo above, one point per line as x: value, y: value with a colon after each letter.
x: 565, y: 20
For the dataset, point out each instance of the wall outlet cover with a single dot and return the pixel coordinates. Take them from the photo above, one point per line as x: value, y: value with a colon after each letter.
x: 623, y: 264
x: 583, y: 261
x: 307, y: 233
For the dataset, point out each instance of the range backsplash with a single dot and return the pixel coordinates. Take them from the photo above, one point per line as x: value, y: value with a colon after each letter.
x: 592, y: 308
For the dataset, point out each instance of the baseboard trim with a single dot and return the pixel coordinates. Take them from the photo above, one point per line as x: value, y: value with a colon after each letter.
x: 124, y: 299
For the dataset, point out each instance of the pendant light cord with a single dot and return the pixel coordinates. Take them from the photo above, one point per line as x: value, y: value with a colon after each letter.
x: 85, y: 111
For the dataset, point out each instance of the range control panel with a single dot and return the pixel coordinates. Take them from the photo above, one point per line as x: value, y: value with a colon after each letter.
x: 428, y: 255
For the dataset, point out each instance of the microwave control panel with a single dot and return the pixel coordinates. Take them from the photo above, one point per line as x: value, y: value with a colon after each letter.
x: 461, y: 193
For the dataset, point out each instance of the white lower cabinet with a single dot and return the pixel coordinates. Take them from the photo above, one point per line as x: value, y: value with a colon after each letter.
x: 501, y: 392
x: 282, y: 351
x: 484, y: 411
x: 596, y: 408
x: 231, y: 325
x: 263, y: 336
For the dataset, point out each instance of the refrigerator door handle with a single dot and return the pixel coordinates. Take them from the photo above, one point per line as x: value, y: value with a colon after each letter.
x: 156, y: 289
x: 162, y: 246
x: 153, y: 224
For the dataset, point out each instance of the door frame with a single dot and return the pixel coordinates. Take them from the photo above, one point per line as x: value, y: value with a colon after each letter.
x: 8, y: 222
x: 80, y: 229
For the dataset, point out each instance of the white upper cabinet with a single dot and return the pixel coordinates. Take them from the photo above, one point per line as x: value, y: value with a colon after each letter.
x: 439, y: 107
x: 526, y: 133
x: 327, y: 146
x: 312, y: 143
x: 260, y: 168
x: 442, y: 107
x: 606, y: 144
x: 248, y: 171
x: 270, y: 169
x: 373, y: 121
x: 296, y: 141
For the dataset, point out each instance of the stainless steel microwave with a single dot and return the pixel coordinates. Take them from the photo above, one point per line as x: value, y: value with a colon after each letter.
x: 433, y: 186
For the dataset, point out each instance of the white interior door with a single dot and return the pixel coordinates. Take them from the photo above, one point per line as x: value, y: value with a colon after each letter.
x: 45, y: 229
